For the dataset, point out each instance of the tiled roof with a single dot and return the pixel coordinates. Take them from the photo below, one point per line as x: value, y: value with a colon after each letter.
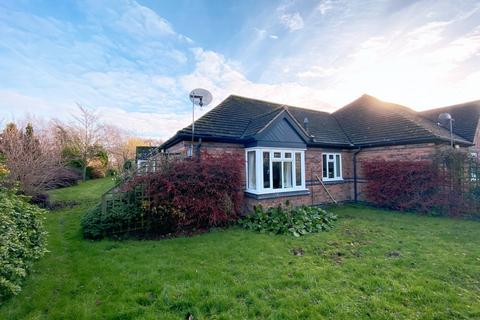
x: 366, y: 121
x: 241, y: 118
x: 465, y: 115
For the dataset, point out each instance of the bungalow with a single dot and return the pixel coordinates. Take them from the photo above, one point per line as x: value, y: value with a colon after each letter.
x: 313, y: 157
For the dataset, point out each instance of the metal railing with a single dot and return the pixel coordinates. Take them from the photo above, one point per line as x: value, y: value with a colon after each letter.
x: 116, y: 196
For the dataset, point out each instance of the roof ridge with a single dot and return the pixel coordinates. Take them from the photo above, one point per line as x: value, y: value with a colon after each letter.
x: 298, y: 124
x: 278, y: 104
x: 258, y: 117
x: 415, y: 116
x: 271, y: 120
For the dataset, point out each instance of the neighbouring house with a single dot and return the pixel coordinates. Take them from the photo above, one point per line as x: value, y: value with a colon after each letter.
x: 142, y: 153
x: 313, y: 157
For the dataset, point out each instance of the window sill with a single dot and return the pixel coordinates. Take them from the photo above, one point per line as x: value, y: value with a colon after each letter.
x: 273, y: 195
x: 332, y: 181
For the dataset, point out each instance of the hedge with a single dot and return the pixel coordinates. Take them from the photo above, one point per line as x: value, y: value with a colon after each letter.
x: 22, y: 240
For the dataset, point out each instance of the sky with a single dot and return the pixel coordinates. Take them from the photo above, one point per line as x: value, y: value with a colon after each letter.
x: 136, y: 61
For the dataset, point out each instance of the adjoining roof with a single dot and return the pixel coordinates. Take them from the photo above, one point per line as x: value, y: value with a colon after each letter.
x: 369, y: 121
x: 366, y: 121
x: 466, y: 117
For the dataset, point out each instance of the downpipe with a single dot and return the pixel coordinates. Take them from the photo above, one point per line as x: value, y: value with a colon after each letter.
x: 355, y: 188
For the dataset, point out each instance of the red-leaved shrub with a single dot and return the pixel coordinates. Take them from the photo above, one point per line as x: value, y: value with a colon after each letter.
x: 419, y: 186
x: 191, y: 194
x: 404, y: 185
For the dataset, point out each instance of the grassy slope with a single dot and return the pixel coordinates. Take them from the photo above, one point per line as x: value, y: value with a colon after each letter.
x: 232, y: 274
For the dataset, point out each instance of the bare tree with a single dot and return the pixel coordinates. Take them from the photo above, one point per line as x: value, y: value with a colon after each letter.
x: 33, y: 160
x: 121, y: 146
x: 85, y: 137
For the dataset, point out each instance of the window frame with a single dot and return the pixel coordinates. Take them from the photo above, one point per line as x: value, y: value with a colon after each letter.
x: 259, y: 169
x: 334, y: 161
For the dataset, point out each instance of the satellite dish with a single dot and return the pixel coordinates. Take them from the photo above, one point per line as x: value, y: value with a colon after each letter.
x: 200, y: 97
x: 444, y: 119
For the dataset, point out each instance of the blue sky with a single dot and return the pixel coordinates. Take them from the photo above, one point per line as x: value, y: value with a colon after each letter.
x: 136, y: 61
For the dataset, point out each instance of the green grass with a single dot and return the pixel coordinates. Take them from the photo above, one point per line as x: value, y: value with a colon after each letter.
x: 374, y: 265
x: 89, y: 190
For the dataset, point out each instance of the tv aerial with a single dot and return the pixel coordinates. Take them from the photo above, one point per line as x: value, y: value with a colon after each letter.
x: 202, y: 98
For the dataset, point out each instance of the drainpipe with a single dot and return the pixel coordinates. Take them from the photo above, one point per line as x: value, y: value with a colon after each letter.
x: 355, y: 174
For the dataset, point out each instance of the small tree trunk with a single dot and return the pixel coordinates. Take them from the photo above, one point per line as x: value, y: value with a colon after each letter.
x: 84, y: 173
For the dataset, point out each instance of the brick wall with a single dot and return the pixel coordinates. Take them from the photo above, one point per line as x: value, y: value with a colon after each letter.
x: 410, y: 152
x: 341, y: 191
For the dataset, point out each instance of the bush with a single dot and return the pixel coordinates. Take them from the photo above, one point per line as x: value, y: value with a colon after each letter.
x: 41, y: 199
x: 117, y: 221
x: 182, y: 196
x: 422, y: 187
x: 190, y: 194
x: 289, y: 220
x: 404, y: 185
x: 22, y: 240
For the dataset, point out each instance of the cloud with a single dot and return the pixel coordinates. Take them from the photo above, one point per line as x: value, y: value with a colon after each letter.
x: 141, y: 21
x: 219, y: 75
x: 318, y: 72
x: 293, y: 21
x: 324, y: 6
x: 425, y: 36
x: 131, y: 63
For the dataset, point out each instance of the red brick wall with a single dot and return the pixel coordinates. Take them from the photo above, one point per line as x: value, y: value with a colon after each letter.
x: 180, y: 147
x: 341, y: 191
x: 410, y: 152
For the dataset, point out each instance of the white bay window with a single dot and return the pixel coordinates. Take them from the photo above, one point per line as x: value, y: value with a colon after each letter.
x: 275, y: 170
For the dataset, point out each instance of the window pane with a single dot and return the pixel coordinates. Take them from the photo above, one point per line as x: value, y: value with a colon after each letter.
x: 331, y: 173
x: 287, y: 174
x: 288, y: 154
x: 277, y: 154
x: 337, y: 166
x: 324, y: 164
x: 298, y: 169
x: 277, y: 174
x: 330, y: 156
x: 251, y: 170
x: 266, y: 169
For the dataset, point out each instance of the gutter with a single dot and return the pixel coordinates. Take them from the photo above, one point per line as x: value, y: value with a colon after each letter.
x: 355, y: 195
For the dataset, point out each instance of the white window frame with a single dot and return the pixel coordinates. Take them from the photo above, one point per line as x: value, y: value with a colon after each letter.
x: 334, y: 154
x: 260, y: 189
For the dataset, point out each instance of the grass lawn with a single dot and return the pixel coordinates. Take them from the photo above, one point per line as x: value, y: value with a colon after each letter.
x: 374, y: 265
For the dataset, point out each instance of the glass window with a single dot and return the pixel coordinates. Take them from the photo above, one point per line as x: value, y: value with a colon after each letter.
x: 298, y: 169
x: 287, y: 174
x: 266, y: 169
x: 251, y: 170
x: 277, y: 174
x: 324, y: 162
x: 279, y: 170
x: 331, y: 166
x: 337, y: 166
